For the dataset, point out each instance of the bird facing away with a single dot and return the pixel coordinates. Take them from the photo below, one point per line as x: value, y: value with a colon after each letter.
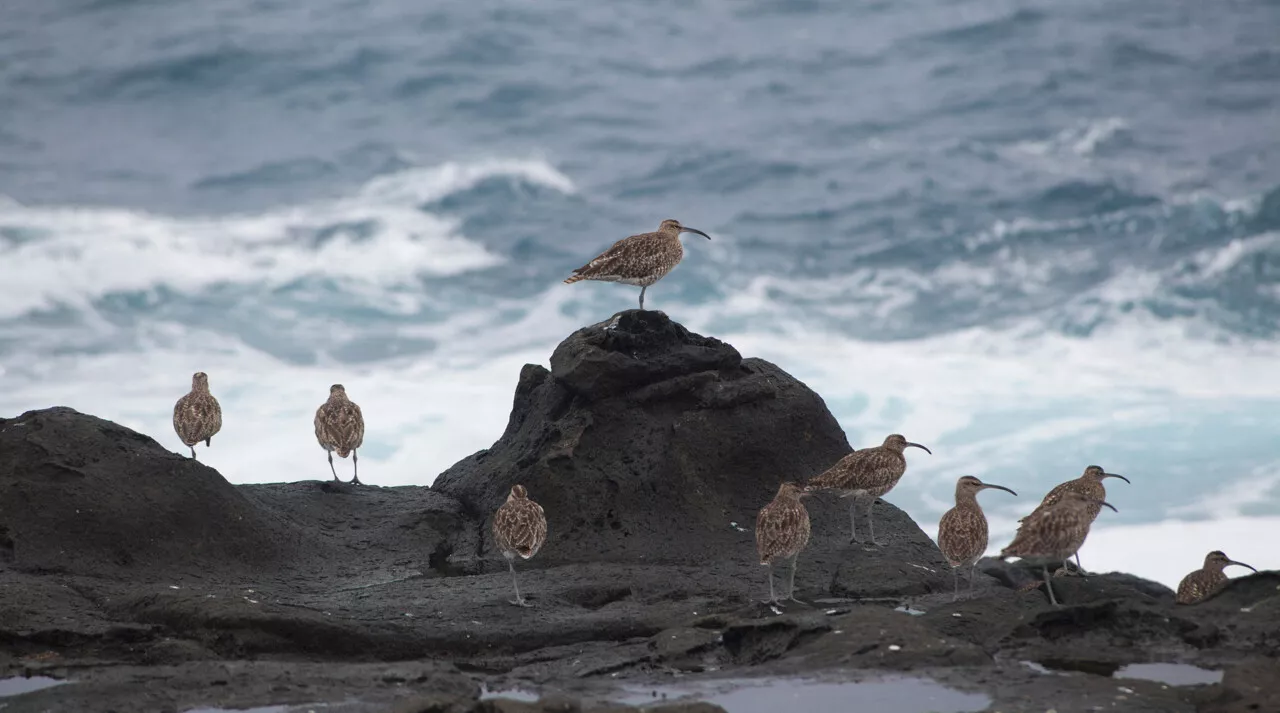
x: 519, y: 528
x: 962, y: 532
x: 782, y: 530
x: 1208, y: 580
x: 639, y: 260
x: 197, y: 416
x: 1089, y: 483
x: 1051, y: 535
x: 866, y: 474
x: 340, y: 428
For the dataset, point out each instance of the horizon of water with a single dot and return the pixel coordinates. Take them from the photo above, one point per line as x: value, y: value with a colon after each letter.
x: 1031, y: 237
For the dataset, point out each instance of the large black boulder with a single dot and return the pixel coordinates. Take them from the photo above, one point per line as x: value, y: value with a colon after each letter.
x: 82, y: 495
x: 647, y: 442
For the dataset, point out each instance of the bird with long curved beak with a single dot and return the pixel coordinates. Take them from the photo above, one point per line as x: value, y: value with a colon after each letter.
x: 1089, y: 483
x: 1052, y: 534
x: 866, y: 474
x: 962, y: 532
x: 639, y: 260
x: 1208, y: 580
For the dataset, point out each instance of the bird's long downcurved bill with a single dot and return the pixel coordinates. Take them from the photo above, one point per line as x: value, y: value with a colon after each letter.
x: 683, y: 229
x: 917, y: 445
x: 1116, y: 475
x: 1242, y: 564
x: 1104, y: 502
x: 998, y: 487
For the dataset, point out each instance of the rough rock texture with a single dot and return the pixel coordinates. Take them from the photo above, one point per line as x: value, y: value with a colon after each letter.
x: 648, y: 443
x: 85, y: 495
x: 153, y: 584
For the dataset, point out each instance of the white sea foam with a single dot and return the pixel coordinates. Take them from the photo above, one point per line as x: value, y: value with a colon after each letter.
x: 72, y: 255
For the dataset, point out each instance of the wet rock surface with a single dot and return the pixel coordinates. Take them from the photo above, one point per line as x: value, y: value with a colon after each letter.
x: 150, y: 583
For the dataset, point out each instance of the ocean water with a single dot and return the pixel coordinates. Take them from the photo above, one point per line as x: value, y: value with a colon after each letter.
x: 1031, y: 235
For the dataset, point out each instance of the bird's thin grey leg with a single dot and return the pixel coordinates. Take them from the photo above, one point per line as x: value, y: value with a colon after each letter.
x: 794, y: 562
x: 519, y: 600
x: 955, y: 577
x: 773, y: 598
x: 1079, y: 567
x: 973, y: 574
x: 853, y: 525
x: 208, y: 441
x: 193, y: 452
x: 355, y: 466
x: 642, y: 289
x: 871, y: 525
x: 1049, y: 585
x: 335, y: 471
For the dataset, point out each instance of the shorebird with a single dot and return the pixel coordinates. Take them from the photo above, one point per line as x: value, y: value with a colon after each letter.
x: 519, y: 528
x: 197, y: 416
x: 1089, y: 483
x: 866, y: 474
x: 782, y: 530
x: 340, y: 427
x: 962, y: 532
x: 1206, y: 581
x: 1051, y: 535
x: 639, y: 260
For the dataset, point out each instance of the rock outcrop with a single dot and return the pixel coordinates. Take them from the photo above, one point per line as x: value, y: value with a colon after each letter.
x: 157, y: 585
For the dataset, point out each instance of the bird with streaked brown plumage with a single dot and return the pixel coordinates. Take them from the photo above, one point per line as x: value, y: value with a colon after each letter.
x: 519, y: 530
x: 782, y: 531
x: 962, y: 532
x: 638, y: 260
x: 339, y: 426
x: 866, y: 474
x: 1089, y: 483
x: 1053, y: 534
x: 1208, y: 580
x: 197, y: 416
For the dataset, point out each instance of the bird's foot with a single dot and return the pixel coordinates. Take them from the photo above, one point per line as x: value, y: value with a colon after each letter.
x: 797, y: 601
x: 877, y: 543
x: 521, y: 602
x: 356, y: 481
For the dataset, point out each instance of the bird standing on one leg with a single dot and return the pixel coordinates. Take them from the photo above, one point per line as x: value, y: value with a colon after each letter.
x: 782, y: 530
x: 1089, y: 483
x: 866, y: 474
x: 1208, y: 580
x: 519, y: 528
x: 1051, y: 535
x: 639, y: 260
x: 962, y: 532
x: 340, y: 427
x: 197, y: 416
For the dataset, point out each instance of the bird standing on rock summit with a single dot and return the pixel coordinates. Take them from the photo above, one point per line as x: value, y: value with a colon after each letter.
x: 197, y: 416
x: 519, y: 528
x: 867, y: 474
x: 1052, y: 534
x: 1089, y: 483
x: 340, y: 427
x: 638, y: 260
x: 1206, y: 581
x: 962, y: 532
x: 782, y: 530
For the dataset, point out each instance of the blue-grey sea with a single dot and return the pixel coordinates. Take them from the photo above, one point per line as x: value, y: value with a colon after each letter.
x: 1031, y: 235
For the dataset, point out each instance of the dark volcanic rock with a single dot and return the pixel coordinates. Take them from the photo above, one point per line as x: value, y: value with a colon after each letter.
x: 83, y: 495
x: 155, y: 585
x: 648, y: 442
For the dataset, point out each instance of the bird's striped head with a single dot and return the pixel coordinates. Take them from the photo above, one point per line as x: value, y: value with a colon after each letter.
x: 200, y: 381
x: 1097, y: 473
x: 898, y: 442
x: 1219, y: 560
x: 337, y: 391
x: 518, y: 493
x: 672, y: 227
